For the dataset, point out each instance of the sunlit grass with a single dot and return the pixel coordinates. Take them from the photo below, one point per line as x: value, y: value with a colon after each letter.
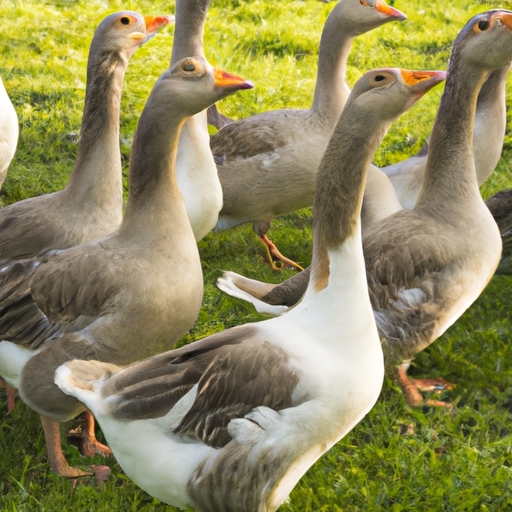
x: 398, y: 459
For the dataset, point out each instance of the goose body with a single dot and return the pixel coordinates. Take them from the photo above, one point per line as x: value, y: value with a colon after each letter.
x: 9, y: 132
x: 267, y: 163
x: 426, y: 266
x: 232, y: 421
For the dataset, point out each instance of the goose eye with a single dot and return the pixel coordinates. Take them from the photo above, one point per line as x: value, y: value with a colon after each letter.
x: 125, y: 20
x: 189, y: 67
x: 483, y: 25
x: 379, y: 78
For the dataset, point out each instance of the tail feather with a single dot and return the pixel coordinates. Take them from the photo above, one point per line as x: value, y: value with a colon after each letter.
x: 83, y: 379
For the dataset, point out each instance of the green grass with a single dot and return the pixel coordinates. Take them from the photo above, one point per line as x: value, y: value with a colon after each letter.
x: 397, y: 459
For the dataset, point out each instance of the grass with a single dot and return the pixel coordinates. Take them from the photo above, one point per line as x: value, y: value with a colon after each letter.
x: 397, y: 459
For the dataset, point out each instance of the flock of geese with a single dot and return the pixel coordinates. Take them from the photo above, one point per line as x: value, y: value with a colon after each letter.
x: 92, y: 301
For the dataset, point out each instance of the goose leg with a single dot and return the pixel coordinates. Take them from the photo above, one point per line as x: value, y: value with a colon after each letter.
x: 11, y: 395
x: 273, y: 253
x: 56, y: 456
x: 88, y: 444
x: 11, y: 398
x: 411, y: 388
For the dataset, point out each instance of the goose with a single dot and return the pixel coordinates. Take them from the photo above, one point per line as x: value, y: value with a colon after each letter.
x: 500, y: 206
x: 488, y: 134
x: 196, y: 172
x: 423, y: 269
x: 90, y: 206
x: 9, y: 132
x: 232, y: 421
x: 132, y: 293
x: 267, y: 163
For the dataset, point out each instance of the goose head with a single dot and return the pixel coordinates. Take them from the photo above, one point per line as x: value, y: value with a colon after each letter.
x: 125, y: 31
x: 403, y: 87
x: 486, y: 40
x: 361, y: 16
x: 198, y: 85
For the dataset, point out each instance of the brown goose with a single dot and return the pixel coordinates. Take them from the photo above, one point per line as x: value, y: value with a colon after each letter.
x: 488, y: 133
x: 423, y: 269
x: 9, y: 131
x: 267, y: 163
x: 91, y: 204
x: 232, y: 421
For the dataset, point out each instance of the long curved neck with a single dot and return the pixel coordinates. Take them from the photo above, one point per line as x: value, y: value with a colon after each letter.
x: 450, y: 178
x: 340, y: 186
x: 331, y: 91
x: 96, y: 178
x: 190, y: 17
x: 154, y: 198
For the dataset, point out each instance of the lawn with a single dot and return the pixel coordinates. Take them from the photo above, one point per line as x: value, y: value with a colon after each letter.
x: 397, y: 459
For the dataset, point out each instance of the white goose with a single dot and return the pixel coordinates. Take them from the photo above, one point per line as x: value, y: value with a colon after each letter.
x: 9, y: 132
x: 232, y: 421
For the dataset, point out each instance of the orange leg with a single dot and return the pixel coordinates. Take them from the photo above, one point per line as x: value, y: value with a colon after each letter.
x: 411, y: 388
x: 57, y: 459
x: 11, y: 398
x: 56, y: 456
x: 89, y: 445
x: 11, y: 395
x: 274, y: 253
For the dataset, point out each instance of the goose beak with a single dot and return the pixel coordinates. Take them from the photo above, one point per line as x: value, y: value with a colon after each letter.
x: 422, y: 81
x: 155, y: 23
x: 137, y: 36
x: 223, y: 79
x: 505, y: 17
x: 388, y: 11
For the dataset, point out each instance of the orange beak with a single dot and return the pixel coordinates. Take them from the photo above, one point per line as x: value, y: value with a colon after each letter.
x: 155, y: 23
x: 390, y: 12
x: 415, y: 77
x: 504, y: 16
x: 223, y: 79
x: 422, y: 81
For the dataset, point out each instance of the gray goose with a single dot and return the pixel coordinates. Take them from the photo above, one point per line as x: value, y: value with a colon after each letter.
x: 9, y: 132
x: 232, y: 421
x: 488, y: 134
x: 423, y: 269
x: 135, y: 292
x: 90, y: 206
x: 267, y: 163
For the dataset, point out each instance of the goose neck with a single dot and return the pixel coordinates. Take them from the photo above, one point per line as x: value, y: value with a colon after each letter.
x: 190, y: 17
x: 97, y: 174
x: 450, y: 177
x: 153, y: 189
x: 340, y: 186
x: 331, y: 90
